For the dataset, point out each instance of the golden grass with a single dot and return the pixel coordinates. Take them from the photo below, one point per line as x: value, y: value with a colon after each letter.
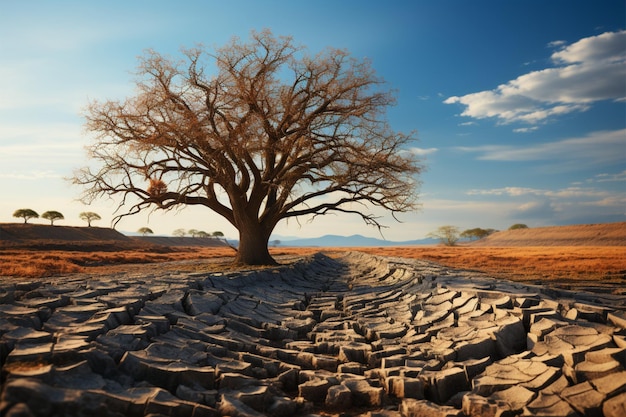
x: 38, y: 264
x: 521, y: 263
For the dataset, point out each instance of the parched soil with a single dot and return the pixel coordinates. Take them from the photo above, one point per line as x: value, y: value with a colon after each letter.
x: 355, y: 335
x: 85, y: 327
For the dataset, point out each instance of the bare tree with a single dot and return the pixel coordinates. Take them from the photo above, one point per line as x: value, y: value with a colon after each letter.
x: 89, y: 216
x: 273, y: 134
x: 52, y: 216
x: 26, y: 214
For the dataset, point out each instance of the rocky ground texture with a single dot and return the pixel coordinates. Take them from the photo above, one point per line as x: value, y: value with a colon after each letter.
x: 356, y: 335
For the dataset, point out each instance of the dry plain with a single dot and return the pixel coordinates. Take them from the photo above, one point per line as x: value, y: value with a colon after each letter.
x: 518, y: 325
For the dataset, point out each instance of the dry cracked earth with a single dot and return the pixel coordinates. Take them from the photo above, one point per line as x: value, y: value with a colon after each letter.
x: 356, y: 335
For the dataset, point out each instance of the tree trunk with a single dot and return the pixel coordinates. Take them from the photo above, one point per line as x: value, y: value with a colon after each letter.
x: 253, y: 247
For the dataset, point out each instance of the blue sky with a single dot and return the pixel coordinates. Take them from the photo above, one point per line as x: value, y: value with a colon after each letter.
x: 520, y: 106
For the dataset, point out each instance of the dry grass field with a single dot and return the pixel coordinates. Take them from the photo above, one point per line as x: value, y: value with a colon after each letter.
x: 595, y: 253
x: 527, y: 263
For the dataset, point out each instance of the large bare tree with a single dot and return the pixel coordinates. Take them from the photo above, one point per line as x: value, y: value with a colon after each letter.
x: 270, y: 133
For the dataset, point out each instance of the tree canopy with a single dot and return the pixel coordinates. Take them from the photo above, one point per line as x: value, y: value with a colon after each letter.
x: 273, y: 134
x: 145, y: 231
x: 52, y: 216
x: 25, y: 214
x: 89, y: 216
x: 476, y: 233
x: 448, y: 235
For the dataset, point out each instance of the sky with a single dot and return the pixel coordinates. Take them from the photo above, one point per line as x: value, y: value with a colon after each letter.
x: 519, y: 106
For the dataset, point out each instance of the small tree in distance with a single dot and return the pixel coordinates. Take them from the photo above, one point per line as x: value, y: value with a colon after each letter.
x: 145, y: 231
x: 179, y: 232
x: 52, y: 216
x: 518, y: 226
x: 448, y: 235
x: 89, y: 216
x: 217, y: 234
x: 25, y: 214
x: 476, y: 233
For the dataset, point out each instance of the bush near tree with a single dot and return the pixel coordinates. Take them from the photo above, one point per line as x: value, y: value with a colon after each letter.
x: 25, y: 214
x: 518, y: 226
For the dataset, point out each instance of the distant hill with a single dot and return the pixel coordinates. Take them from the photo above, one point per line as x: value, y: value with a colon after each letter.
x: 46, y: 237
x: 40, y: 236
x: 182, y: 241
x: 21, y: 232
x: 605, y: 234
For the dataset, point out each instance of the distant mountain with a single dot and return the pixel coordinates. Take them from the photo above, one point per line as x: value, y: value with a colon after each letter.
x: 350, y: 241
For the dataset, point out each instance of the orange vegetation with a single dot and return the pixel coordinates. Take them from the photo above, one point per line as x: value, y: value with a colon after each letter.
x: 40, y: 263
x: 527, y: 263
x: 523, y: 262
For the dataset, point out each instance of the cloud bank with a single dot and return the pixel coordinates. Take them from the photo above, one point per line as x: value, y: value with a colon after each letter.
x: 595, y: 149
x: 589, y: 70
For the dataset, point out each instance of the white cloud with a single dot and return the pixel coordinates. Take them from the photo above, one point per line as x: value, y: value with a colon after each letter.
x: 556, y: 44
x: 596, y: 148
x: 619, y: 177
x: 569, y: 192
x: 560, y: 206
x: 511, y: 191
x: 607, y: 46
x: 422, y: 151
x: 590, y: 70
x: 525, y: 129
